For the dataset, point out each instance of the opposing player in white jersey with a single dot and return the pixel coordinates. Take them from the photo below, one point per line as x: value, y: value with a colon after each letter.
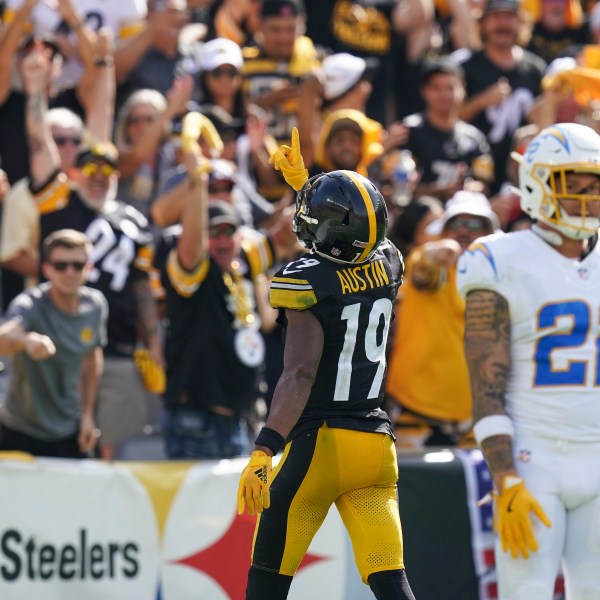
x: 532, y: 341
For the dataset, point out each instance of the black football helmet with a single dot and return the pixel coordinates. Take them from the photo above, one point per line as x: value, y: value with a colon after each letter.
x: 341, y: 216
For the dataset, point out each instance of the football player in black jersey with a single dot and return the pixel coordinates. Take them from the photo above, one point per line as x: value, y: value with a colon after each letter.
x: 336, y: 301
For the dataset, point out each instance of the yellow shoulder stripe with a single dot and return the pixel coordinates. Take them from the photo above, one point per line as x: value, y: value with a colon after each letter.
x: 287, y: 292
x: 186, y: 283
x: 55, y: 196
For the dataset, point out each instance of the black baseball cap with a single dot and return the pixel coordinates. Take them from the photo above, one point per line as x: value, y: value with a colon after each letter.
x: 501, y: 6
x: 282, y: 8
x: 221, y: 212
x: 101, y: 151
x: 440, y: 65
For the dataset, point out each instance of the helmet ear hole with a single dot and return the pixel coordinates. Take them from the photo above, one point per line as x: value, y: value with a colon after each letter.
x: 346, y: 219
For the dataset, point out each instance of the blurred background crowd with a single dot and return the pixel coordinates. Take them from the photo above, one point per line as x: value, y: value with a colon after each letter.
x: 118, y: 117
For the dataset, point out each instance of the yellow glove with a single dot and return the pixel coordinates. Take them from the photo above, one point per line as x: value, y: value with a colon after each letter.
x: 254, y: 484
x: 290, y: 162
x: 512, y: 520
x: 153, y: 375
x: 195, y: 125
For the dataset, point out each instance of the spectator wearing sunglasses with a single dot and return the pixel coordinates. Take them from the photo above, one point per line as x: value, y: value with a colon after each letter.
x: 142, y: 134
x: 16, y: 46
x: 86, y: 200
x: 55, y: 333
x: 216, y: 300
x: 38, y: 58
x: 427, y: 380
x: 122, y: 257
x: 221, y: 78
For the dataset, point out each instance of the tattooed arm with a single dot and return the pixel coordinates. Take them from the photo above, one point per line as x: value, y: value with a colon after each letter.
x: 487, y: 348
x: 36, y: 70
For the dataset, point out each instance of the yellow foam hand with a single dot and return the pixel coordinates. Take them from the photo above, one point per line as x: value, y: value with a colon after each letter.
x: 195, y: 125
x: 153, y: 375
x: 289, y: 161
x: 211, y: 135
x: 190, y: 132
x: 512, y: 519
x: 253, y: 491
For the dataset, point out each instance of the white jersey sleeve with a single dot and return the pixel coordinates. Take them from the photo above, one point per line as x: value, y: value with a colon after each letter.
x: 552, y: 387
x: 480, y: 267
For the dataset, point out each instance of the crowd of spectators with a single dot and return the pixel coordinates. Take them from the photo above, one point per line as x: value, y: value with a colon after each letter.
x: 148, y: 126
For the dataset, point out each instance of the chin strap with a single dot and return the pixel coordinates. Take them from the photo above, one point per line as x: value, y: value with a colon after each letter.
x: 552, y: 237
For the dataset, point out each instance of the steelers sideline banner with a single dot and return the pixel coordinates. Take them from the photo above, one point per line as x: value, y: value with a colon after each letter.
x: 144, y: 531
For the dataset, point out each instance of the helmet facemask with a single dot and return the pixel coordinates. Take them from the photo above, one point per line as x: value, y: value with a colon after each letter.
x: 575, y: 215
x: 549, y: 160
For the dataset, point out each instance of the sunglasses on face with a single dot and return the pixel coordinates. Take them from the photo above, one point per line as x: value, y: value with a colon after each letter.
x: 224, y: 72
x: 136, y: 120
x: 63, y: 265
x: 472, y: 224
x: 60, y: 140
x: 219, y: 230
x: 91, y: 169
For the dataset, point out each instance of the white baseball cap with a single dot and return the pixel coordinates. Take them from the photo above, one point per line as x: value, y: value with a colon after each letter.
x: 341, y: 72
x: 465, y: 203
x: 221, y: 51
x: 558, y: 65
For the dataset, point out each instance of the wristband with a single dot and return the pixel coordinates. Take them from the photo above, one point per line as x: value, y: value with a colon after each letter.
x: 103, y: 61
x: 271, y: 439
x: 493, y: 425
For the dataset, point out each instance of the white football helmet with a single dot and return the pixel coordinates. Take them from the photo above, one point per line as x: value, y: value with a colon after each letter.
x: 555, y: 151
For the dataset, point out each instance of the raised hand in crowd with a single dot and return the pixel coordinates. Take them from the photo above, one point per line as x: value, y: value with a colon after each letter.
x: 101, y: 87
x: 83, y: 47
x: 134, y: 152
x: 10, y: 40
x: 164, y: 22
x: 36, y: 71
x: 35, y: 68
x: 179, y: 96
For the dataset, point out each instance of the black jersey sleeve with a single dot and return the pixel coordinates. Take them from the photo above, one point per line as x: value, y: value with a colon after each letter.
x: 301, y: 284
